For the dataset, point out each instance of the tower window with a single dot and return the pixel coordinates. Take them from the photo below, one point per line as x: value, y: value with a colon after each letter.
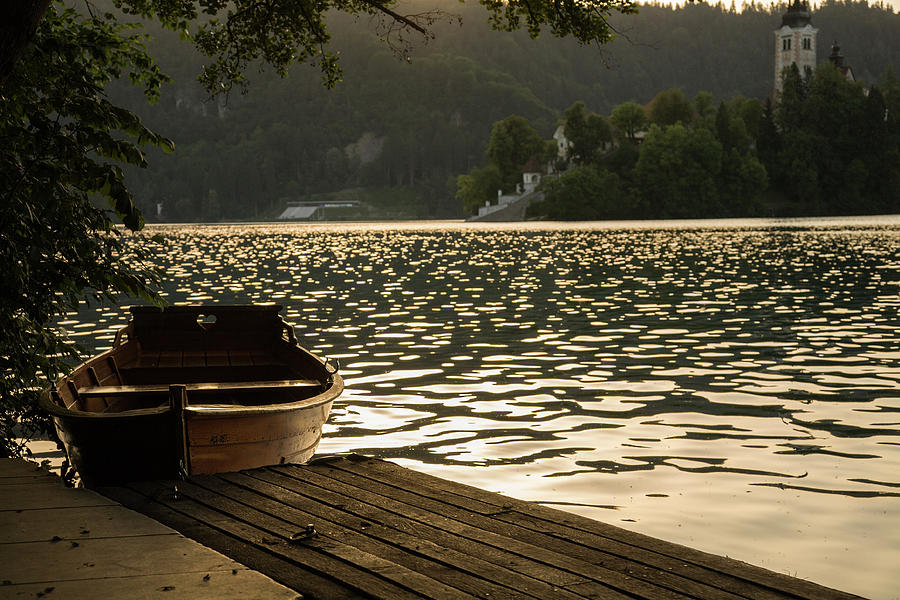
x: 786, y: 44
x: 807, y: 44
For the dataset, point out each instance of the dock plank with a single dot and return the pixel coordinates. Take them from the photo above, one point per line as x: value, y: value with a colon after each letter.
x: 384, y: 531
x: 282, y: 521
x: 21, y: 468
x: 29, y: 496
x: 60, y: 542
x: 562, y: 568
x: 293, y: 575
x: 193, y: 503
x: 486, y: 561
x: 406, y: 548
x: 233, y: 584
x: 502, y: 516
x: 42, y: 478
x: 462, y: 535
x: 749, y: 580
x: 30, y: 562
x: 76, y: 523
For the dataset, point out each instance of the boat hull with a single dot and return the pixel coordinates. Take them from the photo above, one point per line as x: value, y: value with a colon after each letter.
x: 219, y: 442
x: 111, y: 449
x: 119, y: 448
x: 175, y: 397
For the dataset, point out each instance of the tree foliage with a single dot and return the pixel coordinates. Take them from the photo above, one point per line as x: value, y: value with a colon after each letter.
x: 588, y: 134
x: 677, y: 170
x: 62, y: 192
x: 630, y: 118
x: 235, y: 34
x: 829, y: 146
x: 837, y: 144
x: 671, y: 107
x: 708, y: 168
x: 585, y: 192
x: 477, y: 187
x: 513, y: 142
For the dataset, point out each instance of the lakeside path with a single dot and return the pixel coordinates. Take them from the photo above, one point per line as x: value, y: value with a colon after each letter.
x: 58, y: 542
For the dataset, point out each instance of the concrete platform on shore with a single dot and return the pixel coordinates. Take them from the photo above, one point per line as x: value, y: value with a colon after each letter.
x: 59, y: 542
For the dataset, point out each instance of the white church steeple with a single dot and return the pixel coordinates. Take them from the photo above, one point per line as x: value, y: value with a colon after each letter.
x: 795, y: 41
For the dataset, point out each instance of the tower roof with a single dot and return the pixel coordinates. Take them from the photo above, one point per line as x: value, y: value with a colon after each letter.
x: 836, y: 57
x: 837, y: 60
x: 797, y: 15
x: 532, y: 166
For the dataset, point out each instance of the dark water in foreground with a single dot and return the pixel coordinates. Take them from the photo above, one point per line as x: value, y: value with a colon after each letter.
x: 732, y: 385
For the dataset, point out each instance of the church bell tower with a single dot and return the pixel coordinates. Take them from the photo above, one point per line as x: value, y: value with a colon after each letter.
x: 795, y: 41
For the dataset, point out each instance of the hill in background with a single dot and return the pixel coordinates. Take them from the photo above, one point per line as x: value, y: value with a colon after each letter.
x: 408, y: 128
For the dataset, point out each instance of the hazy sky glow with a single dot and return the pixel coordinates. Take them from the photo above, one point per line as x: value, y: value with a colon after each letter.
x: 738, y: 3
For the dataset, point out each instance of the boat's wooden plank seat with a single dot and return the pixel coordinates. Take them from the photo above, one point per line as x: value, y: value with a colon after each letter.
x: 199, y: 358
x: 219, y: 386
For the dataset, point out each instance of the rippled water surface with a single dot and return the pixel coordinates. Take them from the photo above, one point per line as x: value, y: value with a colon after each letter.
x: 732, y: 386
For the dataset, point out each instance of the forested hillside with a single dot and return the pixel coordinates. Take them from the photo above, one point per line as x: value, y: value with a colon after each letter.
x: 413, y: 125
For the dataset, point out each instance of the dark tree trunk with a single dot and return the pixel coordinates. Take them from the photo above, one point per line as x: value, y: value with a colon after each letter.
x: 18, y: 22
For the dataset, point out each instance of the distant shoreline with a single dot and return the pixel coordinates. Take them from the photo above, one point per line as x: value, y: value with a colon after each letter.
x: 889, y: 219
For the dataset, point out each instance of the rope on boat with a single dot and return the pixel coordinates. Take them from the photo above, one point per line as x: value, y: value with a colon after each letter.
x: 332, y: 366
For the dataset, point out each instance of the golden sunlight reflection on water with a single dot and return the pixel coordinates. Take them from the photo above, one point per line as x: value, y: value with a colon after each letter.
x: 729, y: 385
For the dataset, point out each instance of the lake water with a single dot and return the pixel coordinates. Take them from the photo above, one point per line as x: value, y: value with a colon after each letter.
x: 729, y: 385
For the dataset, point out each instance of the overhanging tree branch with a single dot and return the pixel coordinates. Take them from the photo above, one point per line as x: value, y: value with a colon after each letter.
x: 405, y: 20
x: 19, y: 20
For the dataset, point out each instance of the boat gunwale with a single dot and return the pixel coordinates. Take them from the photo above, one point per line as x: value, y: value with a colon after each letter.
x: 209, y: 411
x: 335, y: 386
x: 55, y: 410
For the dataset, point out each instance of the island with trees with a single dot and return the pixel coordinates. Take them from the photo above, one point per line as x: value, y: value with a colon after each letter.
x: 828, y: 146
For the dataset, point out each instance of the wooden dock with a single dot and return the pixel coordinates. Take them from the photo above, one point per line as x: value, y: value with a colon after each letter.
x: 355, y: 527
x: 58, y: 542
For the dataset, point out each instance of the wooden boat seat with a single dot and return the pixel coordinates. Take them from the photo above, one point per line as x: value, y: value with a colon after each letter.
x: 218, y: 386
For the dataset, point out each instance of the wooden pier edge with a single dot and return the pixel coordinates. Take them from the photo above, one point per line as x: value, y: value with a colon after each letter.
x: 59, y: 542
x: 359, y: 527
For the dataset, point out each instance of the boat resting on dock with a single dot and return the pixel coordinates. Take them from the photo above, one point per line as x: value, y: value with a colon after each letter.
x: 193, y: 390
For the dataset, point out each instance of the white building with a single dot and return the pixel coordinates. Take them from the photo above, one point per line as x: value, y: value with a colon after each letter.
x: 531, y: 176
x: 562, y: 143
x: 795, y: 41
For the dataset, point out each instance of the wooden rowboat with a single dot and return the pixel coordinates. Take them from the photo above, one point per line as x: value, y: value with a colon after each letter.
x: 190, y: 390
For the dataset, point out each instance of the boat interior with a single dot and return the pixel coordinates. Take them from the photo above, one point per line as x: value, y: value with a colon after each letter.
x: 237, y: 360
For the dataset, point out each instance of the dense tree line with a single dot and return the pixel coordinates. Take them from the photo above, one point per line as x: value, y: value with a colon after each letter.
x: 828, y: 146
x: 420, y: 123
x: 835, y: 146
